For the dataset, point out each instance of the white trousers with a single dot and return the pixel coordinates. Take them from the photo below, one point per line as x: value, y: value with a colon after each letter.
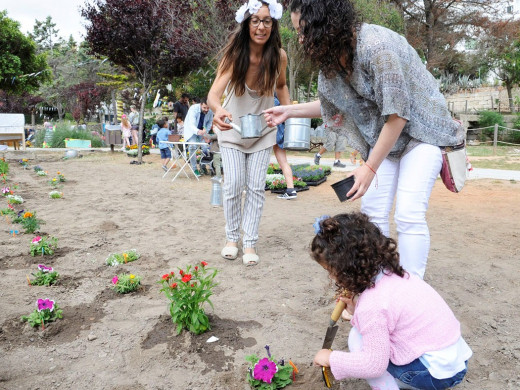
x: 410, y: 181
x: 244, y: 170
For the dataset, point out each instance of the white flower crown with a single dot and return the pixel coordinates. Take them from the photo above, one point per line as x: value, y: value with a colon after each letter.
x: 275, y: 9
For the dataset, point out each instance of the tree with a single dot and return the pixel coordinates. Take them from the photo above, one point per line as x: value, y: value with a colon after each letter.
x: 434, y: 27
x: 21, y: 69
x: 45, y: 34
x: 153, y: 39
x: 84, y: 98
x: 501, y: 48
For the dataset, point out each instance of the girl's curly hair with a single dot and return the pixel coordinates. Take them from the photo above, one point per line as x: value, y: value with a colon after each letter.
x: 328, y: 29
x: 354, y: 251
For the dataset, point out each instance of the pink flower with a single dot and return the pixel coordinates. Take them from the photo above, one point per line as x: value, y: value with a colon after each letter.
x: 6, y: 190
x: 45, y: 304
x: 264, y: 370
x: 115, y: 280
x: 36, y: 240
x: 44, y: 268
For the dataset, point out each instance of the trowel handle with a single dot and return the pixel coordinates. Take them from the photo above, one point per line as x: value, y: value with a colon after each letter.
x: 340, y: 306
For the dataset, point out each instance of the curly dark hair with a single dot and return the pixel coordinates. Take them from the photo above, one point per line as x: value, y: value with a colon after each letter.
x: 328, y: 29
x: 354, y: 251
x: 236, y: 55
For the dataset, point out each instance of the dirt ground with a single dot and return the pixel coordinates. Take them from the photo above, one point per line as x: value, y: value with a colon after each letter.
x: 110, y: 341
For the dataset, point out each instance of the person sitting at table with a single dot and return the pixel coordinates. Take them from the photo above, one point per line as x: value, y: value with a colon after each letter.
x: 162, y: 135
x: 198, y: 119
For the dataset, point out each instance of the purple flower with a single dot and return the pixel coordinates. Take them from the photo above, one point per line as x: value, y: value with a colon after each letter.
x: 264, y: 370
x: 20, y: 213
x: 44, y: 268
x: 267, y: 349
x: 45, y: 304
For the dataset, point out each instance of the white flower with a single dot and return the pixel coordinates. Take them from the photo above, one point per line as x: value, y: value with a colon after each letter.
x: 253, y: 6
x: 276, y: 10
x: 241, y: 13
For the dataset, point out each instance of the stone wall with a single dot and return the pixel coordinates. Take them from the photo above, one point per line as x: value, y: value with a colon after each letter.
x: 480, y: 99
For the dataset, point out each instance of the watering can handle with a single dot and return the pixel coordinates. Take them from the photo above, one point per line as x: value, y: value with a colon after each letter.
x: 236, y: 127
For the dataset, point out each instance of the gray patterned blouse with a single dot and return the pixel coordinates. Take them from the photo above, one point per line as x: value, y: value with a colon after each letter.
x: 388, y: 78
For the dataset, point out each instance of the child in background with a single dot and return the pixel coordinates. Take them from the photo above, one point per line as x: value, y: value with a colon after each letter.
x: 404, y: 334
x: 162, y: 135
x: 180, y: 125
x: 126, y: 129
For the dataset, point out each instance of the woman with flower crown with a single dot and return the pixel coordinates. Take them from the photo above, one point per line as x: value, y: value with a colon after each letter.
x: 252, y: 68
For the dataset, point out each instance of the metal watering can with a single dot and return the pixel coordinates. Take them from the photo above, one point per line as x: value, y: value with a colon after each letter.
x: 250, y: 126
x: 297, y: 135
x: 216, y: 192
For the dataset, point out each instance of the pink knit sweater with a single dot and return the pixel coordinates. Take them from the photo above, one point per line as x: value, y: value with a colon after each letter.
x: 399, y: 319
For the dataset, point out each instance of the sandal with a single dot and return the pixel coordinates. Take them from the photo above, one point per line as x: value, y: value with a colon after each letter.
x: 229, y: 252
x: 250, y: 259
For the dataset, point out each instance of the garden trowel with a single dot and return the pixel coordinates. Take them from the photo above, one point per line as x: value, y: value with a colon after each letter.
x: 329, y: 338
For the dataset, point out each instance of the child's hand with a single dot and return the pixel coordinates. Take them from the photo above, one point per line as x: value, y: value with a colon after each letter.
x: 350, y: 306
x: 322, y: 358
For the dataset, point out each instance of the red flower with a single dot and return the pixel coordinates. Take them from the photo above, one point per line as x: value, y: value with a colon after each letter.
x: 192, y: 285
x: 181, y: 272
x: 174, y: 285
x: 172, y: 273
x: 203, y: 263
x: 166, y: 276
x: 196, y: 268
x: 186, y: 278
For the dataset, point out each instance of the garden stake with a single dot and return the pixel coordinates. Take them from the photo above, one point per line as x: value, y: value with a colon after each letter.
x: 28, y: 280
x: 14, y: 232
x: 294, y: 371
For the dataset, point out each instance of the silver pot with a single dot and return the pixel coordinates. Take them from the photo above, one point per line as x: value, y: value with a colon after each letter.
x: 250, y: 126
x: 71, y: 153
x: 297, y: 135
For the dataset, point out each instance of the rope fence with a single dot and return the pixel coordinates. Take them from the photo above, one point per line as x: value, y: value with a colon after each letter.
x: 495, y: 140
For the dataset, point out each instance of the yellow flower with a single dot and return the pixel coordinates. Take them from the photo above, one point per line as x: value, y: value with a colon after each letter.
x: 24, y: 160
x: 132, y: 276
x: 54, y: 179
x: 28, y: 215
x: 59, y: 173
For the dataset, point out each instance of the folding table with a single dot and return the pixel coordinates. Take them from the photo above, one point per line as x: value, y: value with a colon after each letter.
x: 182, y: 154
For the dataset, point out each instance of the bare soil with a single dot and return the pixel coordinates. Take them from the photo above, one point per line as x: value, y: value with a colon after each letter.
x: 111, y: 341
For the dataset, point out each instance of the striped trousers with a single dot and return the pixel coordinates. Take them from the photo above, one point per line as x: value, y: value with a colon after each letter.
x: 244, y: 171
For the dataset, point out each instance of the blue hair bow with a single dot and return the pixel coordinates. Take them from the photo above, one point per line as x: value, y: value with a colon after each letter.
x: 317, y: 223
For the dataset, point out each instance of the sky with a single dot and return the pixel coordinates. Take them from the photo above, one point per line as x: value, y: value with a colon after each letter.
x: 65, y: 13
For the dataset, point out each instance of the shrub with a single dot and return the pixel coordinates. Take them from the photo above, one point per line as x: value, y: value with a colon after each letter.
x: 487, y: 119
x: 64, y: 130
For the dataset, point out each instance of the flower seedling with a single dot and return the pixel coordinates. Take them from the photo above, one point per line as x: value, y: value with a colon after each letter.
x: 6, y: 191
x: 43, y: 245
x: 37, y: 168
x: 267, y: 373
x: 122, y: 258
x: 45, y: 276
x: 55, y: 194
x: 46, y: 311
x: 24, y: 163
x: 29, y: 221
x: 61, y: 177
x: 41, y: 173
x: 54, y: 182
x: 126, y: 283
x: 14, y: 199
x: 188, y: 291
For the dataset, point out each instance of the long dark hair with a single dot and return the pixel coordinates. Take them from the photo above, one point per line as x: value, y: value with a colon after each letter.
x: 328, y: 29
x: 236, y: 54
x: 354, y: 251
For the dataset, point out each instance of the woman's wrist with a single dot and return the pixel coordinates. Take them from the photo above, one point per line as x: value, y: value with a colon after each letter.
x: 369, y: 166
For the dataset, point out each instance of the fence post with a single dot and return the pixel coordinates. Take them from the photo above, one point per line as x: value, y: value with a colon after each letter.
x: 466, y: 108
x: 492, y: 104
x: 495, y: 139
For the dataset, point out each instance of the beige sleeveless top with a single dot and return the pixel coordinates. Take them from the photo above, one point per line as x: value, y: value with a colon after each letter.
x: 248, y: 103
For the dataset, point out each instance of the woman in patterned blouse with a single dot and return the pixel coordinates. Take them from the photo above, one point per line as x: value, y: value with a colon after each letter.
x: 374, y: 89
